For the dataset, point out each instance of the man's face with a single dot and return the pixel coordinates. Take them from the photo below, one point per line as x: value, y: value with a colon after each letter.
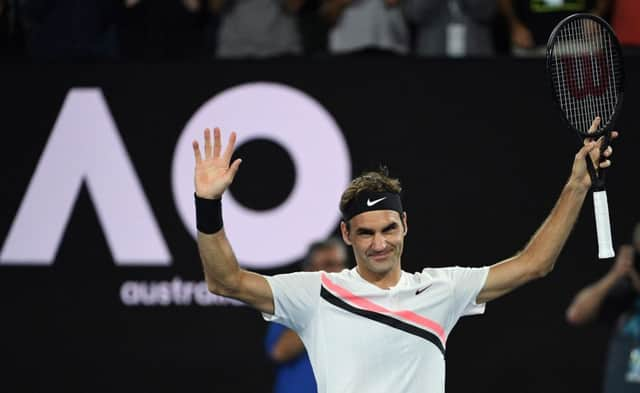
x: 332, y: 259
x: 377, y: 238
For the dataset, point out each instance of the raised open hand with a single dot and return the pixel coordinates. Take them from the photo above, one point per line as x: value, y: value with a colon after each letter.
x: 213, y: 174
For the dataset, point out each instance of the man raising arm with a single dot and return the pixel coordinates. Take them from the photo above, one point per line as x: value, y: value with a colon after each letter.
x: 213, y: 175
x: 375, y: 328
x: 540, y: 254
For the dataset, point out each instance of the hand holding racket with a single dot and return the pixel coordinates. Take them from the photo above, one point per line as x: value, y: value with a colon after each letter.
x: 592, y: 155
x: 584, y: 62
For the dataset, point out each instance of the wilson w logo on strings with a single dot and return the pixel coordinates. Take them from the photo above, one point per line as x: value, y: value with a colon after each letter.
x: 585, y: 76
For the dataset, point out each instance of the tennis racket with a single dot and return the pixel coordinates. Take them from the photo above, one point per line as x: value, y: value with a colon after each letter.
x: 585, y: 65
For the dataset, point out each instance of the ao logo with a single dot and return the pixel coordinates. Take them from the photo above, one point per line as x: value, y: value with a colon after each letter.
x: 319, y: 153
x: 261, y: 239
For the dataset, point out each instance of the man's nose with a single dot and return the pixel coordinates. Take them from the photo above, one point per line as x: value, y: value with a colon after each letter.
x: 379, y: 242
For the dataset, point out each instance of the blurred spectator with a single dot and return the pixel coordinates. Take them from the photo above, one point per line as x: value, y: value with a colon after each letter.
x: 313, y: 28
x: 5, y: 25
x: 453, y: 28
x: 257, y: 28
x: 163, y: 29
x: 614, y: 299
x: 366, y: 25
x: 71, y: 29
x: 625, y: 20
x: 11, y: 32
x: 284, y: 347
x: 531, y: 21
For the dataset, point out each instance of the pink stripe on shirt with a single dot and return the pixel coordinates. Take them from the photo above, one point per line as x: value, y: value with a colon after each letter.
x: 369, y: 305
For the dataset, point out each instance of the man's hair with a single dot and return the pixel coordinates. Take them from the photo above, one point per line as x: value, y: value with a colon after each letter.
x: 374, y: 181
x: 324, y: 245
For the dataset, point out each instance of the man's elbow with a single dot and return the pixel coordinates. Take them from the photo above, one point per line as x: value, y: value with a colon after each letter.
x: 226, y: 289
x: 543, y: 271
x: 214, y: 288
x: 536, y: 267
x: 534, y: 271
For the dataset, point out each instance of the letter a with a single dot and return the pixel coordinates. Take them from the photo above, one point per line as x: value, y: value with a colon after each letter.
x: 85, y: 146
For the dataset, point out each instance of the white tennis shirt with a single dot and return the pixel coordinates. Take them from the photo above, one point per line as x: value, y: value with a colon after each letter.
x: 364, y: 339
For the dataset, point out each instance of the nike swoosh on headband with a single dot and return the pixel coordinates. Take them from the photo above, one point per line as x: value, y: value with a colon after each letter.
x: 371, y: 203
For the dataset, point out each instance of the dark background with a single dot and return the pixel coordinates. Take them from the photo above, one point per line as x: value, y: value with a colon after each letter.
x: 482, y: 154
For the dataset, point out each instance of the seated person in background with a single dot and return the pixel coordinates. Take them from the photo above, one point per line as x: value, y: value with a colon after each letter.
x: 283, y: 345
x: 452, y: 28
x: 531, y: 21
x: 69, y: 31
x: 257, y: 28
x: 614, y: 298
x: 360, y: 26
x: 168, y: 30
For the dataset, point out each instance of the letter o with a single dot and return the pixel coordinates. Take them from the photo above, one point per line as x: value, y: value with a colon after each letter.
x: 301, y: 125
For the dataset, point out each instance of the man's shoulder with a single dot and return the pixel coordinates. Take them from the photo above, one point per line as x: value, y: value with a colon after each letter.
x: 449, y: 273
x: 294, y: 280
x: 344, y: 273
x: 434, y: 272
x: 299, y: 275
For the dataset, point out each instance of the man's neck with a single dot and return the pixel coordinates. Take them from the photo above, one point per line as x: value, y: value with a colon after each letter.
x: 381, y: 280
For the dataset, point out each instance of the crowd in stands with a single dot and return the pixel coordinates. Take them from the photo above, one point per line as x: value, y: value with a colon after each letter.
x: 133, y: 30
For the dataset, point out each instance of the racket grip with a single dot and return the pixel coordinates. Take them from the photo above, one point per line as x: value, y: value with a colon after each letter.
x: 603, y: 226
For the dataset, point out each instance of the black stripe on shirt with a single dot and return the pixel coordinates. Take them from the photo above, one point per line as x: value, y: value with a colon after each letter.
x: 385, y: 319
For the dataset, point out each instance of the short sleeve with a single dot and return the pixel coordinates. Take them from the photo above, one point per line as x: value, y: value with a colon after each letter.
x: 466, y: 282
x: 295, y: 298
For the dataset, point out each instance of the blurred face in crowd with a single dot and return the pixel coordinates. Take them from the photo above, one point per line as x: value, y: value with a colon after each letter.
x: 330, y: 259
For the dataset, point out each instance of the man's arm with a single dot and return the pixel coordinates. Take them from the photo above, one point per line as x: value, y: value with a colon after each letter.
x: 213, y: 175
x: 540, y: 254
x: 586, y: 305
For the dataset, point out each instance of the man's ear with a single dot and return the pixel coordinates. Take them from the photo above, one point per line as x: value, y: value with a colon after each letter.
x: 345, y: 233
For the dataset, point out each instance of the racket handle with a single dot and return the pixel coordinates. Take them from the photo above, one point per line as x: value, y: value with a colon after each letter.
x: 603, y: 226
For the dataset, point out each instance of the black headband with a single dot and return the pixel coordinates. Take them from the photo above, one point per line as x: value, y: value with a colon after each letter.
x: 368, y: 201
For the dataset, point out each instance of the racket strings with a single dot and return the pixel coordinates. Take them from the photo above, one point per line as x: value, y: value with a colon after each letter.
x: 586, y: 69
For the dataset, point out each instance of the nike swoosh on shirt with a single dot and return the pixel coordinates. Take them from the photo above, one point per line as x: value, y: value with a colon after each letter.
x: 420, y: 290
x: 371, y: 203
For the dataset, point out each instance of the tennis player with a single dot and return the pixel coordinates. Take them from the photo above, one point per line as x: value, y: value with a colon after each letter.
x: 374, y: 328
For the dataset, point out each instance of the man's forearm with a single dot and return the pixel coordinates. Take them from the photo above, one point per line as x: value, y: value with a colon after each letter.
x: 221, y: 269
x: 545, y: 245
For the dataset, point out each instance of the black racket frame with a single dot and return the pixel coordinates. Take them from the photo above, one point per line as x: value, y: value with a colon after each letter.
x: 597, y: 178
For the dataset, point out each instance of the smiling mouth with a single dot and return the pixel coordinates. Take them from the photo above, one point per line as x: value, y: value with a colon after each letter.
x: 380, y: 256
